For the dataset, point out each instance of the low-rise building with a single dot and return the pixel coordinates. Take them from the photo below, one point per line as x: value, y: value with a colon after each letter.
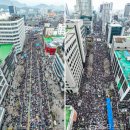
x: 61, y: 29
x: 48, y: 31
x: 71, y: 116
x: 52, y: 42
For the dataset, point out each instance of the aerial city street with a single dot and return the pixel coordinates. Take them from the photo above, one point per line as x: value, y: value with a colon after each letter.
x: 64, y: 65
x: 97, y: 67
x: 34, y: 99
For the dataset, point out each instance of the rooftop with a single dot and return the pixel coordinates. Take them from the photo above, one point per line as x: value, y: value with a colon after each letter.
x: 5, y: 50
x: 8, y: 17
x: 54, y: 41
x: 115, y: 25
x: 68, y: 29
x: 121, y: 56
x: 121, y: 39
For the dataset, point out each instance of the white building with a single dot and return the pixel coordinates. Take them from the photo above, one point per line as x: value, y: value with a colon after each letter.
x: 58, y: 66
x: 106, y: 15
x: 61, y: 29
x: 12, y: 30
x: 73, y: 61
x: 48, y: 31
x: 80, y: 32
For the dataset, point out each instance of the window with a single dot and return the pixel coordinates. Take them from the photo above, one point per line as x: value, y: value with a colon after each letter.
x: 119, y: 73
x: 124, y: 87
x: 127, y: 96
x: 122, y: 79
x: 1, y: 78
x: 3, y: 82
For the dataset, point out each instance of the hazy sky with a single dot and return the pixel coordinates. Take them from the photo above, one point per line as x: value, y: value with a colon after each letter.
x: 117, y: 4
x: 36, y: 2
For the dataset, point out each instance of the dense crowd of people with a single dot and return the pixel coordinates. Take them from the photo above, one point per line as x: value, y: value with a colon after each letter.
x: 90, y: 103
x: 36, y: 96
x: 33, y: 100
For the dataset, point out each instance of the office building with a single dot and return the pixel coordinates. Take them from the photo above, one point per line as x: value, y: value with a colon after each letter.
x: 106, y: 15
x: 121, y: 69
x: 71, y: 116
x: 114, y: 29
x: 12, y: 30
x: 84, y: 9
x: 127, y: 10
x: 73, y: 61
x: 7, y: 66
x: 58, y: 66
x: 120, y: 58
x: 12, y: 9
x: 80, y: 33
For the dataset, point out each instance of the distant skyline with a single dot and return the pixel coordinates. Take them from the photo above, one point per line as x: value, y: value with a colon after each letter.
x: 117, y: 4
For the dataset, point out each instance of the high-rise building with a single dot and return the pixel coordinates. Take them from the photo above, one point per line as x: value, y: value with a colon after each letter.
x: 114, y: 29
x: 80, y: 32
x: 101, y: 8
x: 74, y: 55
x: 127, y: 10
x: 12, y: 30
x: 12, y: 9
x: 106, y: 15
x: 84, y: 9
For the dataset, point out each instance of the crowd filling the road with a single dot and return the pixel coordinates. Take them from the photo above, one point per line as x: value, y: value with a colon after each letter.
x: 27, y: 105
x: 90, y: 101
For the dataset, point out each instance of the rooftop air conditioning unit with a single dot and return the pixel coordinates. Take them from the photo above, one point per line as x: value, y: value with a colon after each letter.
x: 128, y: 58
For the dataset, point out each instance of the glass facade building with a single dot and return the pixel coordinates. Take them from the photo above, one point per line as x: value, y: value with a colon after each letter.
x: 115, y: 31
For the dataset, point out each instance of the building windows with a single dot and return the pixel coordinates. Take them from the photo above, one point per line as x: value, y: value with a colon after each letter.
x: 122, y: 79
x: 1, y: 78
x: 119, y: 73
x: 127, y: 96
x: 124, y: 87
